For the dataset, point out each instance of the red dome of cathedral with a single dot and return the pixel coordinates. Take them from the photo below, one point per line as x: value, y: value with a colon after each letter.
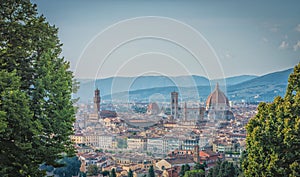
x: 217, y: 100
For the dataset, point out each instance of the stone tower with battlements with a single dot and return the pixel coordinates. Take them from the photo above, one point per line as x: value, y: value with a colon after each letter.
x: 97, y: 100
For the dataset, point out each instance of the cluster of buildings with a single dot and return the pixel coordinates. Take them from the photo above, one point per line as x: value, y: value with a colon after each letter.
x: 187, y: 135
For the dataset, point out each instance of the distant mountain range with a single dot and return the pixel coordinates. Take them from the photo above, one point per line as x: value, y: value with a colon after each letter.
x: 145, y: 88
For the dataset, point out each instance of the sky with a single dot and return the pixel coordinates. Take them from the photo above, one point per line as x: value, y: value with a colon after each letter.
x: 215, y: 39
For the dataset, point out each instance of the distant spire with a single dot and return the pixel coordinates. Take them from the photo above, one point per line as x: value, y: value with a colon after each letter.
x: 217, y: 93
x: 185, y: 111
x: 217, y: 86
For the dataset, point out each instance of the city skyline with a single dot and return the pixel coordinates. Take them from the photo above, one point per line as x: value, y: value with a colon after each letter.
x: 150, y: 88
x: 234, y: 37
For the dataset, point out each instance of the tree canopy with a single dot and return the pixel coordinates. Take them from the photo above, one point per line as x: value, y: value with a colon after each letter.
x: 36, y: 109
x: 195, y: 173
x: 224, y: 169
x: 273, y: 144
x: 199, y: 166
x: 92, y: 170
x: 183, y: 169
x: 71, y: 168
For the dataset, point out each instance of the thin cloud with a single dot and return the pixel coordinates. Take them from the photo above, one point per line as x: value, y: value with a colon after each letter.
x: 296, y: 46
x: 298, y: 28
x: 265, y: 39
x: 283, y: 45
x: 228, y: 54
x: 274, y: 29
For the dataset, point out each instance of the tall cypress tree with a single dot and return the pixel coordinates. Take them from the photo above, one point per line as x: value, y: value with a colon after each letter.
x: 151, y: 172
x: 130, y: 173
x: 113, y: 173
x: 273, y: 144
x: 36, y: 112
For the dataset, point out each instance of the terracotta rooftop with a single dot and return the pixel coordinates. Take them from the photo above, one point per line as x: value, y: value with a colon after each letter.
x: 179, y: 160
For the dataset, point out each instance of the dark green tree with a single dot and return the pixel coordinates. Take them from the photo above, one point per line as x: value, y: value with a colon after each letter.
x: 82, y: 174
x: 36, y: 109
x: 71, y: 168
x: 242, y: 159
x: 92, y: 170
x: 48, y: 168
x: 99, y: 150
x: 187, y: 167
x: 8, y: 82
x: 18, y: 128
x: 105, y: 173
x: 183, y: 169
x: 273, y: 144
x: 199, y: 166
x: 195, y: 173
x: 113, y: 173
x: 224, y: 169
x: 151, y: 172
x: 130, y: 173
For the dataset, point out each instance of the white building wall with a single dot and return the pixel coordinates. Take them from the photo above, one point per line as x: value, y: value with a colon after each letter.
x: 155, y: 145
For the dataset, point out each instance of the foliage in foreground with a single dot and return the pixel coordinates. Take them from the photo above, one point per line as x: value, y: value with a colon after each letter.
x: 273, y: 144
x: 36, y: 110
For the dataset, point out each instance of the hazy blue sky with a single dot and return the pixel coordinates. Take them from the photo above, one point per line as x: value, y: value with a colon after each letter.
x: 209, y: 38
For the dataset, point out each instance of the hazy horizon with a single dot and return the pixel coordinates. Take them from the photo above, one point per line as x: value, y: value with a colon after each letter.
x: 186, y: 75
